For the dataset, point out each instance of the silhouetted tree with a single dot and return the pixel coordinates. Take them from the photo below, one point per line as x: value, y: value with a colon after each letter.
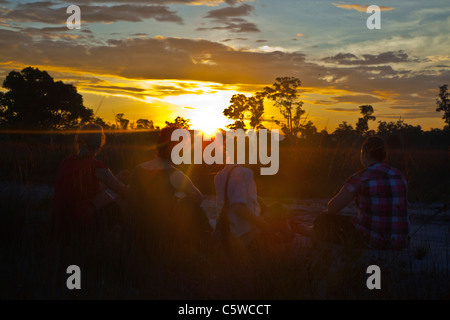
x: 102, y: 122
x: 256, y: 107
x: 400, y: 126
x: 122, y: 123
x: 236, y: 111
x: 144, y: 124
x: 243, y: 107
x: 362, y: 126
x: 180, y: 122
x: 399, y: 133
x: 284, y: 93
x: 344, y: 129
x: 35, y: 100
x: 443, y: 103
x: 307, y: 130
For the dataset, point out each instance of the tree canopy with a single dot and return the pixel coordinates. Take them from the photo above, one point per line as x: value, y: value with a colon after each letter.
x: 242, y: 108
x: 179, y: 122
x: 35, y: 101
x: 284, y: 93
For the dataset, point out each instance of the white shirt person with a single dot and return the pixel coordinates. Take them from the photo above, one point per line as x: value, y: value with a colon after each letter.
x: 244, y: 211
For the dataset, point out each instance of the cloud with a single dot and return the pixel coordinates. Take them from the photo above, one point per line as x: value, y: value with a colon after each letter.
x: 237, y: 27
x: 234, y: 39
x: 362, y: 99
x: 359, y: 7
x: 228, y: 12
x: 417, y: 114
x: 230, y: 18
x: 368, y: 59
x: 202, y: 60
x: 321, y: 102
x: 342, y: 110
x: 48, y: 12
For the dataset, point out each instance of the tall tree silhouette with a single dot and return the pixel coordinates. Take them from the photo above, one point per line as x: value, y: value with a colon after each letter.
x: 443, y: 103
x: 362, y: 126
x: 122, y: 123
x: 34, y: 100
x: 284, y: 93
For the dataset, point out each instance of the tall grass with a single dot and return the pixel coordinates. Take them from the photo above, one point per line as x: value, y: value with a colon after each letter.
x: 305, y: 171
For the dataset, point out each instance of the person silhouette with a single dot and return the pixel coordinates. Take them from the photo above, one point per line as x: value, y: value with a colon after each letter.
x: 380, y: 192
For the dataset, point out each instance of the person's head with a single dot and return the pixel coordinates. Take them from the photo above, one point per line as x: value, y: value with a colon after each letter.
x: 373, y: 150
x: 89, y: 139
x: 164, y: 145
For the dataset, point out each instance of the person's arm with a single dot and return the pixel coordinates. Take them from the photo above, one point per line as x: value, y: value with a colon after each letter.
x: 340, y: 201
x: 182, y: 183
x: 107, y: 177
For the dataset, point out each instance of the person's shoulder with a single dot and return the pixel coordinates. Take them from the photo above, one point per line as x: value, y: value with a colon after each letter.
x: 396, y: 171
x: 358, y: 175
x: 244, y: 171
x: 240, y: 173
x: 390, y: 170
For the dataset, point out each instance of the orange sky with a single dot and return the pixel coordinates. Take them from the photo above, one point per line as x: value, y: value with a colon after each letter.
x: 161, y: 59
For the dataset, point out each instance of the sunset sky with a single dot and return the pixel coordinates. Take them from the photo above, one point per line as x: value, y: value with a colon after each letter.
x: 158, y: 59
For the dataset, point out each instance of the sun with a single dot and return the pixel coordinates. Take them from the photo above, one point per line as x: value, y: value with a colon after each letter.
x: 208, y: 122
x: 205, y: 109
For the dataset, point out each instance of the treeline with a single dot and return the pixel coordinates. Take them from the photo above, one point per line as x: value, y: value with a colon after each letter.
x: 34, y: 101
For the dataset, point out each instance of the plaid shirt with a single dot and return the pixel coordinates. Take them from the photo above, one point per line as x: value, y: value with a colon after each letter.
x: 381, y: 195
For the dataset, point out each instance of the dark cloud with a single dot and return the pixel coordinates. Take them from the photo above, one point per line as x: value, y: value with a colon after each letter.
x: 235, y: 39
x: 368, y: 59
x: 342, y: 110
x: 413, y: 107
x: 363, y: 99
x: 240, y: 27
x: 224, y: 14
x: 115, y: 88
x: 322, y: 102
x: 418, y: 113
x: 47, y: 12
x: 230, y: 19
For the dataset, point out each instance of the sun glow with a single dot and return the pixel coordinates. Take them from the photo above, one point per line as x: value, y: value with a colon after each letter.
x: 206, y: 110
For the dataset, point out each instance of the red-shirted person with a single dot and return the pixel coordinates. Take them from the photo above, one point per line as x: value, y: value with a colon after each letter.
x: 81, y: 190
x: 380, y: 192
